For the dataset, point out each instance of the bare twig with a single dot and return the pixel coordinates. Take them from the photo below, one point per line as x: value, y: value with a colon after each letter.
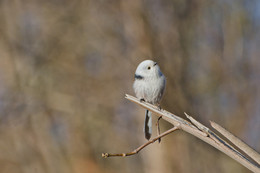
x: 199, y: 130
x: 105, y: 155
x: 239, y: 143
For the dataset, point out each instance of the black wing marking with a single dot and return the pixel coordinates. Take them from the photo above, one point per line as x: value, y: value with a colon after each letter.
x: 138, y: 77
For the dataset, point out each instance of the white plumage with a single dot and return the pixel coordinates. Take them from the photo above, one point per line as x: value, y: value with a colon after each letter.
x: 149, y: 85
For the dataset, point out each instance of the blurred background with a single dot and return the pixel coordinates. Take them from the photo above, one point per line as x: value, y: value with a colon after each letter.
x: 66, y: 65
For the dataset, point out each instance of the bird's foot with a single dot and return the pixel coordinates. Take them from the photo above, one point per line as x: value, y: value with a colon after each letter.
x: 142, y: 100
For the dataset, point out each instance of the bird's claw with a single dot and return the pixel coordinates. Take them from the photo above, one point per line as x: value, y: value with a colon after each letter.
x: 142, y: 100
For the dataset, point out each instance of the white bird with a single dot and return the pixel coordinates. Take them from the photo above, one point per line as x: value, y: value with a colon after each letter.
x: 149, y: 86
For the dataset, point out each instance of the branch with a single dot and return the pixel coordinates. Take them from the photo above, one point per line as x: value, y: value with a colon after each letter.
x: 239, y: 143
x: 200, y: 132
x: 105, y: 155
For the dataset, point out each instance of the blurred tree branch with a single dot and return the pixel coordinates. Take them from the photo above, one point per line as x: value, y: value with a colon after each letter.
x: 200, y: 131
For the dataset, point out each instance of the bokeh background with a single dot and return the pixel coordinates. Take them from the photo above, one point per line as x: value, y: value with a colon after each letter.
x: 66, y: 65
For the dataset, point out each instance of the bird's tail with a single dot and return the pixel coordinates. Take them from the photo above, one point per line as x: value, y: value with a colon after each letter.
x: 148, y: 125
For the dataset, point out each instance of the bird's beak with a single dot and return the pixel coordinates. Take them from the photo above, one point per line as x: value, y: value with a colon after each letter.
x: 155, y: 63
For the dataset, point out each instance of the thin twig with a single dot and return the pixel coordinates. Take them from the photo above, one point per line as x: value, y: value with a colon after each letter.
x: 239, y: 143
x: 105, y: 155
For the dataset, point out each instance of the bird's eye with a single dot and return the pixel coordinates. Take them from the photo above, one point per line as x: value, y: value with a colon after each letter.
x: 149, y: 68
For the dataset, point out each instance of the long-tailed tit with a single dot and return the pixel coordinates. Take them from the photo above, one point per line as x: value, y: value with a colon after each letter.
x: 149, y: 85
